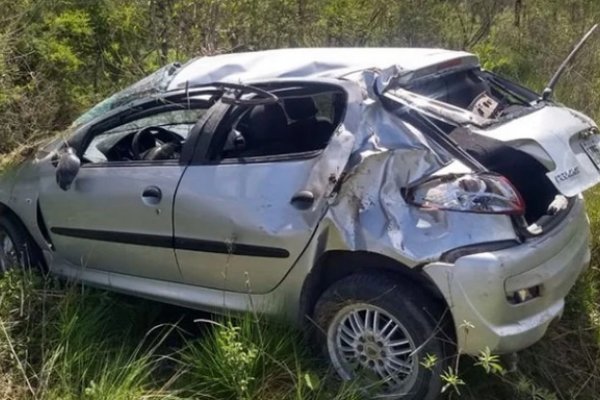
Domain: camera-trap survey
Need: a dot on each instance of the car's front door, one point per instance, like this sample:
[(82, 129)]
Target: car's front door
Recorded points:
[(237, 227), (117, 215)]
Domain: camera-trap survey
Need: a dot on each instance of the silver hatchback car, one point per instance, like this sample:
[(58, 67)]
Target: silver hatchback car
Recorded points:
[(385, 196)]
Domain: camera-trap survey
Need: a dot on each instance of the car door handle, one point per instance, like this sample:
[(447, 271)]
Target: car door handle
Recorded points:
[(303, 200), (151, 195)]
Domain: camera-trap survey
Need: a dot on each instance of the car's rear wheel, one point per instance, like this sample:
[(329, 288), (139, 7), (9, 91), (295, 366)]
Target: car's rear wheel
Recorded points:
[(16, 248), (377, 331)]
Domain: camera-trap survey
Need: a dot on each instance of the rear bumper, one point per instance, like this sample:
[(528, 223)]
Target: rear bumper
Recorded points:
[(476, 286)]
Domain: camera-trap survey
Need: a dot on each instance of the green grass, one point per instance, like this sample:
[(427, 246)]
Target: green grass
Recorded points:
[(74, 342), (566, 363), (81, 343)]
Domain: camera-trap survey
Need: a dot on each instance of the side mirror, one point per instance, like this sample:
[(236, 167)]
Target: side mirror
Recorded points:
[(67, 168)]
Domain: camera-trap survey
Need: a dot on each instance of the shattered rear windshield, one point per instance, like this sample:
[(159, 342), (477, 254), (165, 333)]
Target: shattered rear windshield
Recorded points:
[(483, 93)]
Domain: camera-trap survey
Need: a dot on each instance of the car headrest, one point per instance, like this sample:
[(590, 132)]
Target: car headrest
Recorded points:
[(298, 108), (265, 122)]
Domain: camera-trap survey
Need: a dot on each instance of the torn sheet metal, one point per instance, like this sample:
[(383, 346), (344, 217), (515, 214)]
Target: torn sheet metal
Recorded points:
[(370, 213), (552, 134)]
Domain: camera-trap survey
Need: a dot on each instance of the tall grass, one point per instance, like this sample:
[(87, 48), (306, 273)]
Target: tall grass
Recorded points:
[(67, 344), (565, 364), (78, 343), (60, 341)]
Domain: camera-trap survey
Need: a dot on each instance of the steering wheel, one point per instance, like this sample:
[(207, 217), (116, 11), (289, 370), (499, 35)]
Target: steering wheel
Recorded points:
[(155, 143)]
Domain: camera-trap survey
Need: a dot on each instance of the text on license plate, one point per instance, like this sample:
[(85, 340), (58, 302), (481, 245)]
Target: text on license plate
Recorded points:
[(591, 147)]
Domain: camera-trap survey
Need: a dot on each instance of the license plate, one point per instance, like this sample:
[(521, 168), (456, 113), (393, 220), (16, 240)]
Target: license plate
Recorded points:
[(591, 147)]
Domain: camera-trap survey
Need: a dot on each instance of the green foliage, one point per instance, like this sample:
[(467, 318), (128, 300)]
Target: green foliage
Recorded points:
[(490, 362), (451, 381), (250, 359), (71, 343), (58, 57), (429, 361), (233, 366)]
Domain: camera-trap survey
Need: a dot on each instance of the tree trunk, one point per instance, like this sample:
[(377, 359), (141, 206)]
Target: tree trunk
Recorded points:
[(518, 8)]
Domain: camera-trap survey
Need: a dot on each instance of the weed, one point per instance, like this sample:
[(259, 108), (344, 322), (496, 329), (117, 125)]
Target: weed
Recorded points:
[(78, 343)]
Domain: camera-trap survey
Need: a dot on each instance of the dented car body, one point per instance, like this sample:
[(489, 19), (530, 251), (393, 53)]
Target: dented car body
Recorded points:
[(275, 176)]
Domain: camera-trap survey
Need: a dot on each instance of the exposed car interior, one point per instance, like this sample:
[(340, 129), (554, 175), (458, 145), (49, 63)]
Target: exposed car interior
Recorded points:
[(298, 123), (490, 96), (481, 92), (156, 137), (302, 120)]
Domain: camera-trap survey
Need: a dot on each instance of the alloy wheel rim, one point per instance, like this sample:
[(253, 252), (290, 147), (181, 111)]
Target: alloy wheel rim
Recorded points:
[(366, 341), (8, 253)]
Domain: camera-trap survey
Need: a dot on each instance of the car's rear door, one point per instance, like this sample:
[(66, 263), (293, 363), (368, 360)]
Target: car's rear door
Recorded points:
[(117, 216), (236, 226)]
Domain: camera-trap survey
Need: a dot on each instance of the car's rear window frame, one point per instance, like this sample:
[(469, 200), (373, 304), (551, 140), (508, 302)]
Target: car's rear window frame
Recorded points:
[(279, 88)]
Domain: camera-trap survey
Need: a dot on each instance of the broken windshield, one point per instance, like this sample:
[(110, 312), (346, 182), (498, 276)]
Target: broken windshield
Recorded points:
[(154, 83)]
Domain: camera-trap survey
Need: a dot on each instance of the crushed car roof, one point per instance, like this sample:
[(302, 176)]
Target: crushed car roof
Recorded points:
[(299, 63), (309, 62)]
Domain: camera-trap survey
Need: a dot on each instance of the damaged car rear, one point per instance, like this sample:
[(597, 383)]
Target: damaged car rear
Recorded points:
[(381, 198)]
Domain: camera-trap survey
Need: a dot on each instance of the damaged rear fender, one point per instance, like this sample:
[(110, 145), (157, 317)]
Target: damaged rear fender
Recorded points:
[(370, 214)]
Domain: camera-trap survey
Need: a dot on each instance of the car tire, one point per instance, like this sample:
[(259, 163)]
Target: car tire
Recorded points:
[(378, 331), (17, 250)]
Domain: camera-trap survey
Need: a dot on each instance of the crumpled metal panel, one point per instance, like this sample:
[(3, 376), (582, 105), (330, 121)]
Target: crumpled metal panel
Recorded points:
[(369, 212), (310, 62)]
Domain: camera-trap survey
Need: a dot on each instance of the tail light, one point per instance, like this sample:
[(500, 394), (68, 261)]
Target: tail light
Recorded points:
[(475, 193)]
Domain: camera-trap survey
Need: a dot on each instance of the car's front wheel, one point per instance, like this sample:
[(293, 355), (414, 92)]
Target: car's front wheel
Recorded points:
[(16, 248), (378, 331)]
